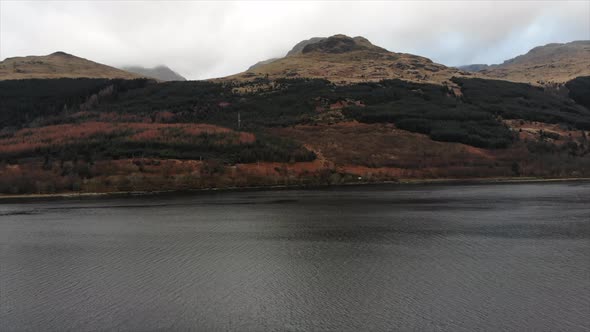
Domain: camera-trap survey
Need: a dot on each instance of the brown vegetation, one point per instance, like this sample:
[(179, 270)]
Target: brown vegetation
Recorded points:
[(29, 139), (554, 133), (381, 151), (347, 152)]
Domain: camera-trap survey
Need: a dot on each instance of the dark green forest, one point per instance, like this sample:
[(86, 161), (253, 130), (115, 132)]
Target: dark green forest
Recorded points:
[(522, 101), (579, 90), (473, 118), (34, 102)]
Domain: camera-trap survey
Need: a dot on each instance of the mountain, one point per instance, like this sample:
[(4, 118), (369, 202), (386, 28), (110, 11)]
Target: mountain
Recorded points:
[(343, 59), (161, 73), (552, 63), (58, 65)]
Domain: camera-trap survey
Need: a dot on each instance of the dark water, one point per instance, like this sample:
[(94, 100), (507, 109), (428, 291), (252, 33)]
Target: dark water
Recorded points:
[(454, 258)]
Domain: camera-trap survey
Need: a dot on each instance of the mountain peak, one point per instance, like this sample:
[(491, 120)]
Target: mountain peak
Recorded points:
[(341, 44), (61, 53), (336, 44), (343, 59)]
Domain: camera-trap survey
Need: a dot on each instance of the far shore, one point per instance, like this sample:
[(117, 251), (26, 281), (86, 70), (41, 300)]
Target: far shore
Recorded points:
[(294, 186)]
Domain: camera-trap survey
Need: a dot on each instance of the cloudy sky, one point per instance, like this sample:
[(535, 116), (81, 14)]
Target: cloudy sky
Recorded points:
[(201, 39)]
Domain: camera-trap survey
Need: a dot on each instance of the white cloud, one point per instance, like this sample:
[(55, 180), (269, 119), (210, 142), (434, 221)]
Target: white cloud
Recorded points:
[(210, 39)]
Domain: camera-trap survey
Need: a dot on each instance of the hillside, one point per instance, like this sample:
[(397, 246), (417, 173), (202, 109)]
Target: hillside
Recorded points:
[(58, 65), (552, 63), (100, 135), (342, 59), (161, 73), (326, 113)]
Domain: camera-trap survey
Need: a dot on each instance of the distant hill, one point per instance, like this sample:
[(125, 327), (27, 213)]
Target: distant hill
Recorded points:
[(475, 67), (343, 59), (161, 73), (552, 63), (58, 65)]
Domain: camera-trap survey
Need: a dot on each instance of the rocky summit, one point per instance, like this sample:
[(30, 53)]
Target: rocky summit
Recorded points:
[(341, 44), (343, 59)]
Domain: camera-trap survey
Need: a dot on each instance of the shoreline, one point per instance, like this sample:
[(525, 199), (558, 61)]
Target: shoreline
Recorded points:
[(449, 181)]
